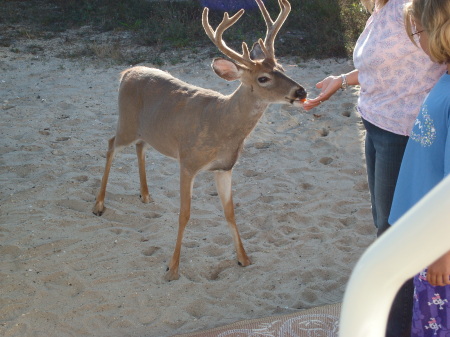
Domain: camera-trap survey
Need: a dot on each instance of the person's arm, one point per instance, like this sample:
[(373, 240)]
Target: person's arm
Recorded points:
[(438, 273), (329, 86)]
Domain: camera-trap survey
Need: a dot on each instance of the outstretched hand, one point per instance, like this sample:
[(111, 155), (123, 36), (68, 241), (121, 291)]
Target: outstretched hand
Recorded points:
[(438, 273), (328, 87)]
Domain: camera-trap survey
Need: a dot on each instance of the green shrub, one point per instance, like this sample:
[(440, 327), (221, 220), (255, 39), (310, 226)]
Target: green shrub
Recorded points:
[(314, 29)]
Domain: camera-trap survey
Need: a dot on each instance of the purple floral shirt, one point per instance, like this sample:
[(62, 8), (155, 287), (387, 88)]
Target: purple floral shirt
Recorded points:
[(394, 74)]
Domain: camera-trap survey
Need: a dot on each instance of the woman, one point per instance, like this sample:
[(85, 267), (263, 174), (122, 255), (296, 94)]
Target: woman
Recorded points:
[(394, 76)]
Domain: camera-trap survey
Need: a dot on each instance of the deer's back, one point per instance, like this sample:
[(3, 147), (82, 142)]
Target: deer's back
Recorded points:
[(170, 114), (153, 92)]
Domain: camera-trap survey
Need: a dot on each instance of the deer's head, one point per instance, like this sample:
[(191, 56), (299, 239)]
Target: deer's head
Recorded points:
[(257, 68)]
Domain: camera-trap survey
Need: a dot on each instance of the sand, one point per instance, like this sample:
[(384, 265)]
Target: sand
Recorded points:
[(302, 207)]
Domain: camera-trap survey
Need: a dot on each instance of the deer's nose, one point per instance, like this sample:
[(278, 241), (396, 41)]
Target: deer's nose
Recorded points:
[(300, 93)]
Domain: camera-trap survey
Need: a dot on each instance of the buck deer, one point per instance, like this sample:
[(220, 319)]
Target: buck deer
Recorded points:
[(201, 128)]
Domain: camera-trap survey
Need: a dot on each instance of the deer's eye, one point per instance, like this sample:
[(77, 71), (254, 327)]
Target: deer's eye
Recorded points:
[(263, 79)]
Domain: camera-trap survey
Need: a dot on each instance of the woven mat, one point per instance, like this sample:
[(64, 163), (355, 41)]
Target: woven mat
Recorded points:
[(318, 322)]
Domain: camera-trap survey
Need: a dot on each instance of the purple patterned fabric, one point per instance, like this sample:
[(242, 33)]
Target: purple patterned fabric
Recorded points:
[(229, 5), (431, 309)]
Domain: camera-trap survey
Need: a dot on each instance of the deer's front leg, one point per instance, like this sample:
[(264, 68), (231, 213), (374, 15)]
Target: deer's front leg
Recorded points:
[(223, 184), (140, 151), (99, 207), (186, 182)]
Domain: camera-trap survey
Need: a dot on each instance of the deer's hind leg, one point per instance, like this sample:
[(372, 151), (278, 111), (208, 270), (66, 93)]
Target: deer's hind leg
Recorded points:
[(99, 207), (140, 151), (223, 185)]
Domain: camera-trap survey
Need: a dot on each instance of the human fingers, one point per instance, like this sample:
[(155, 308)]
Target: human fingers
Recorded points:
[(309, 105), (328, 87), (435, 279), (446, 279), (439, 280), (438, 272), (312, 103), (442, 280), (431, 278)]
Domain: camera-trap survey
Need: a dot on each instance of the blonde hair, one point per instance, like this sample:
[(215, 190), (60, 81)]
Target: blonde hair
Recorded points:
[(370, 5), (434, 16)]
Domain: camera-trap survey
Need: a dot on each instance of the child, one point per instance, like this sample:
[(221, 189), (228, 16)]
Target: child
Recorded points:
[(427, 161)]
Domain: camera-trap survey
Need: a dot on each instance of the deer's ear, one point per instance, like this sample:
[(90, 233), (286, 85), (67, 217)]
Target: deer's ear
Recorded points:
[(226, 69), (257, 53)]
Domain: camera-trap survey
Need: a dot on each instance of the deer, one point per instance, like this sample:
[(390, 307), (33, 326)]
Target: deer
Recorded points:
[(202, 129)]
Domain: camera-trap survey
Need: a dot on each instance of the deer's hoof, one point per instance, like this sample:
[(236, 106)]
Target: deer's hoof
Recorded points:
[(99, 208), (146, 198), (171, 275), (245, 262)]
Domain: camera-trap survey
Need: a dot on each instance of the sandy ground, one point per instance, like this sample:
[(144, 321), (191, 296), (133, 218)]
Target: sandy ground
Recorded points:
[(302, 207)]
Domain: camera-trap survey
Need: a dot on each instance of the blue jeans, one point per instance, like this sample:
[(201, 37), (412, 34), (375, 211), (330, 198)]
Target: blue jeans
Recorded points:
[(384, 153)]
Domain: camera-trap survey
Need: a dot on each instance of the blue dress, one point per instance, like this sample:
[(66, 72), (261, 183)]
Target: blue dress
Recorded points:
[(425, 163)]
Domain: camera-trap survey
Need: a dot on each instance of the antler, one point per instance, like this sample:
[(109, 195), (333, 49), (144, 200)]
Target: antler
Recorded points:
[(273, 27), (216, 37)]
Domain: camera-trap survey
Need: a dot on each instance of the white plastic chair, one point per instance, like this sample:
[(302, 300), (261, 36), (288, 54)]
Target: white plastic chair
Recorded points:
[(415, 241)]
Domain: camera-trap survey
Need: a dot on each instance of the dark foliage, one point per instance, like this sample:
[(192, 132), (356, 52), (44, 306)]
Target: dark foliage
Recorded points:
[(314, 29)]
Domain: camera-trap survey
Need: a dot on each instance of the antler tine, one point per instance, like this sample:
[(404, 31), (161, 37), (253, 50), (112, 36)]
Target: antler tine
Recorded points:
[(216, 37), (273, 26)]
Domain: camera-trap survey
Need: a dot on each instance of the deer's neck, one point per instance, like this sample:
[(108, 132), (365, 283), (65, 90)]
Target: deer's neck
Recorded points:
[(239, 114), (246, 104)]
